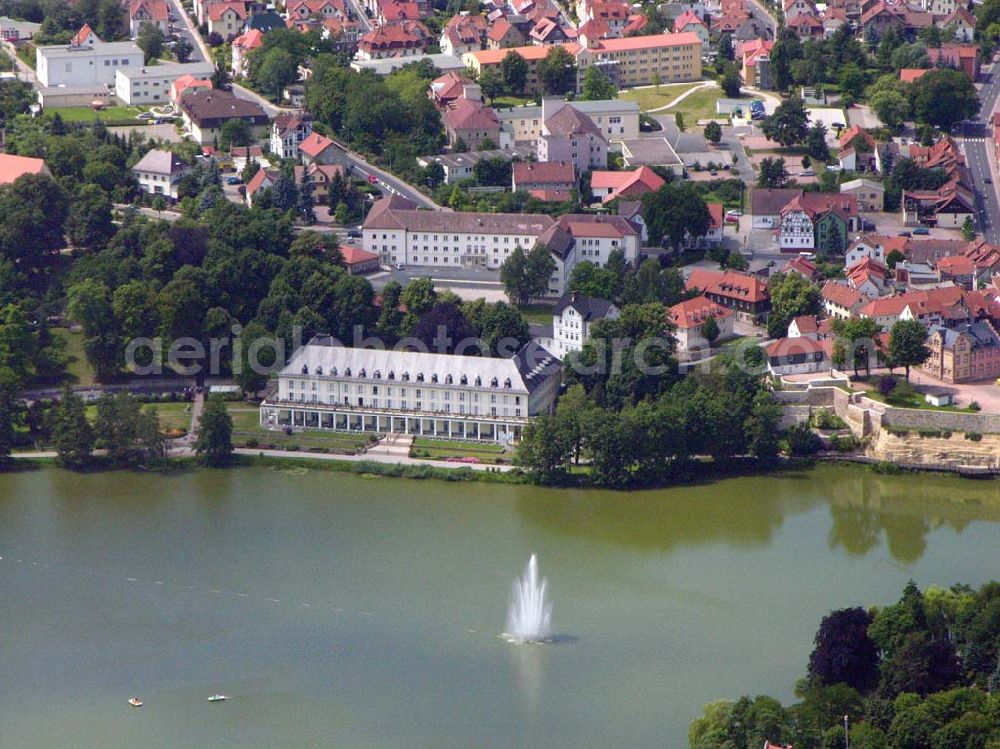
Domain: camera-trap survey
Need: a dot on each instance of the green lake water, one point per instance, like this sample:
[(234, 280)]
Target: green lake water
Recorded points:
[(340, 611)]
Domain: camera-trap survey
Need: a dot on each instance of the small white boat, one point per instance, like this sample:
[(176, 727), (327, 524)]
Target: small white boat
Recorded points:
[(217, 698), (135, 702)]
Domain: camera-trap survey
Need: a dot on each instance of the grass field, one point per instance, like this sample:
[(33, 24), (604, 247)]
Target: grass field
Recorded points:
[(79, 368), (512, 101), (246, 416), (87, 114), (172, 415), (648, 98), (698, 106), (309, 439), (443, 449), (540, 314)]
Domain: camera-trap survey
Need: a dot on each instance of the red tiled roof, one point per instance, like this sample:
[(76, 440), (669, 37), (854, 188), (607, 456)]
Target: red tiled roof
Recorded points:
[(957, 265), (692, 313), (354, 255), (552, 196), (631, 183), (730, 284), (12, 167), (841, 295), (251, 39), (715, 211), (686, 18), (547, 172), (801, 265), (216, 10), (910, 75), (806, 324), (785, 347), (314, 144), (157, 10), (468, 114), (81, 36)]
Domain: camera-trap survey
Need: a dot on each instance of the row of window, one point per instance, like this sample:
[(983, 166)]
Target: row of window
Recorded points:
[(404, 405)]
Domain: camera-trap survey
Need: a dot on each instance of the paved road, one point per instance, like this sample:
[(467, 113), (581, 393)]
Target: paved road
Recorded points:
[(979, 155), (387, 182), (358, 12), (184, 27), (760, 12), (24, 71)]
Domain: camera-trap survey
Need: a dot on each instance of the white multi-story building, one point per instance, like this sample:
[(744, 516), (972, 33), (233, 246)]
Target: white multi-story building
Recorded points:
[(572, 317), (151, 85), (400, 234), (85, 65), (330, 386), (287, 133), (617, 119), (158, 172)]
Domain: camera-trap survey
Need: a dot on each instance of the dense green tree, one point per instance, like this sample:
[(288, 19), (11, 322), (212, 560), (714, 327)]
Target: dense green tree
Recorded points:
[(908, 344), (791, 296), (731, 83), (525, 276), (855, 344), (545, 450), (89, 304), (9, 394), (214, 444), (34, 210), (710, 329), (514, 70), (713, 132), (72, 435), (596, 86), (789, 123), (945, 97), (277, 69), (234, 133), (150, 41), (492, 84), (763, 427), (89, 224), (844, 653), (675, 212), (556, 72), (772, 173), (816, 142)]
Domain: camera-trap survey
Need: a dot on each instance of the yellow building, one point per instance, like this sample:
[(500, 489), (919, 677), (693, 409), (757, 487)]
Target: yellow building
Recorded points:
[(632, 61)]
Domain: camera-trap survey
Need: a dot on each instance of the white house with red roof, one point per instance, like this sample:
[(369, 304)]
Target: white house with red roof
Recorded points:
[(318, 149), (226, 18), (287, 133), (471, 122), (463, 33), (867, 277), (691, 21), (690, 315), (840, 300), (543, 176), (85, 37), (241, 47), (610, 186), (406, 39), (179, 86), (155, 12), (745, 294), (358, 261), (802, 355), (802, 266)]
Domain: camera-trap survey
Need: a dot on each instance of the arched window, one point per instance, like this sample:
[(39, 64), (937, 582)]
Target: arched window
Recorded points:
[(305, 369), (447, 379), (494, 383), (479, 381), (377, 374), (347, 372), (362, 372), (464, 380), (420, 376), (392, 374), (319, 370), (434, 378), (506, 383)]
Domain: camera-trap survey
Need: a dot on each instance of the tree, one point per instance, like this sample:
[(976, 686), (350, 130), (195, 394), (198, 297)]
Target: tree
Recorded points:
[(843, 651), (921, 665), (892, 107), (71, 432), (772, 173), (214, 445), (514, 70), (710, 329), (596, 86), (816, 142), (150, 41), (656, 79), (89, 224), (944, 97), (852, 81), (675, 212), (183, 50), (908, 344), (526, 275), (9, 392), (893, 258), (731, 83), (89, 304), (713, 133), (234, 133), (545, 450), (492, 84), (789, 123), (419, 297), (855, 344), (679, 120), (557, 72), (763, 427), (443, 328), (726, 47), (34, 209), (968, 229)]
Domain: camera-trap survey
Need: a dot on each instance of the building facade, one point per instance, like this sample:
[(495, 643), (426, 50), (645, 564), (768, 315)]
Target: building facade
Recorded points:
[(329, 386), (572, 318), (151, 85), (86, 64)]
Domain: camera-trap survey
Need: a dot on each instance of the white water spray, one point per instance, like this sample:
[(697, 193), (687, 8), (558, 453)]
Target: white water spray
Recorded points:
[(529, 616)]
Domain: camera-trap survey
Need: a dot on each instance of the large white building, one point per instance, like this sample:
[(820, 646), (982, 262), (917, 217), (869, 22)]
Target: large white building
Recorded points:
[(151, 85), (572, 318), (617, 119), (400, 234), (327, 385), (85, 65), (159, 172)]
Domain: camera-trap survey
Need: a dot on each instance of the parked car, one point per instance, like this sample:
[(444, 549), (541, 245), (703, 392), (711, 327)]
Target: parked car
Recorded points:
[(734, 212), (354, 234), (867, 225), (921, 232), (234, 180), (400, 266), (905, 234), (807, 173), (988, 180)]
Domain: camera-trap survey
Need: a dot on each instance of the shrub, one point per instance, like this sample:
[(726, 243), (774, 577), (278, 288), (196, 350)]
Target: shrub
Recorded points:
[(844, 444), (826, 419), (974, 406), (802, 440), (973, 436), (291, 447), (886, 385), (251, 442)]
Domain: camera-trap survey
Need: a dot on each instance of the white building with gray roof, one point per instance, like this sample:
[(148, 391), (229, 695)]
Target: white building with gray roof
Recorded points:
[(85, 65), (333, 387), (159, 172)]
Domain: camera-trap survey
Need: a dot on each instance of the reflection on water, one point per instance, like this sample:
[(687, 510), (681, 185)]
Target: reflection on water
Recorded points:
[(527, 665), (866, 509)]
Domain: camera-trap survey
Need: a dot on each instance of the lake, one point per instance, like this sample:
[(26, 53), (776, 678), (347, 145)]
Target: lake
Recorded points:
[(364, 612)]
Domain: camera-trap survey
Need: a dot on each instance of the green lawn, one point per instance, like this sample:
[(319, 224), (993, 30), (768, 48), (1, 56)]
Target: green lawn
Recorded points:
[(172, 415), (246, 416), (506, 102), (444, 449), (540, 314), (649, 98), (79, 368), (905, 396), (698, 106), (87, 114), (309, 439)]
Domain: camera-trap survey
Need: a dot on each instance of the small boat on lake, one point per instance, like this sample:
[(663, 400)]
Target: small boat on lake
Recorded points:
[(217, 698), (135, 702)]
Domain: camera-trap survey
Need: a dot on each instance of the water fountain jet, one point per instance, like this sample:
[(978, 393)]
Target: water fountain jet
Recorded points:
[(529, 616)]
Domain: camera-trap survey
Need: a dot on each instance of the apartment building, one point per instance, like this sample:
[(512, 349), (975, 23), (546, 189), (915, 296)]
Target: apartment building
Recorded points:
[(85, 64), (617, 119), (151, 85)]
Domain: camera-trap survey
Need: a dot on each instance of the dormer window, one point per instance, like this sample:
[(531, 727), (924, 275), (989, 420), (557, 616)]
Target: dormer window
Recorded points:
[(494, 383), (305, 369), (479, 381), (434, 378), (333, 372), (420, 377), (362, 372), (506, 383), (464, 380), (319, 370), (347, 372), (392, 374), (447, 379)]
